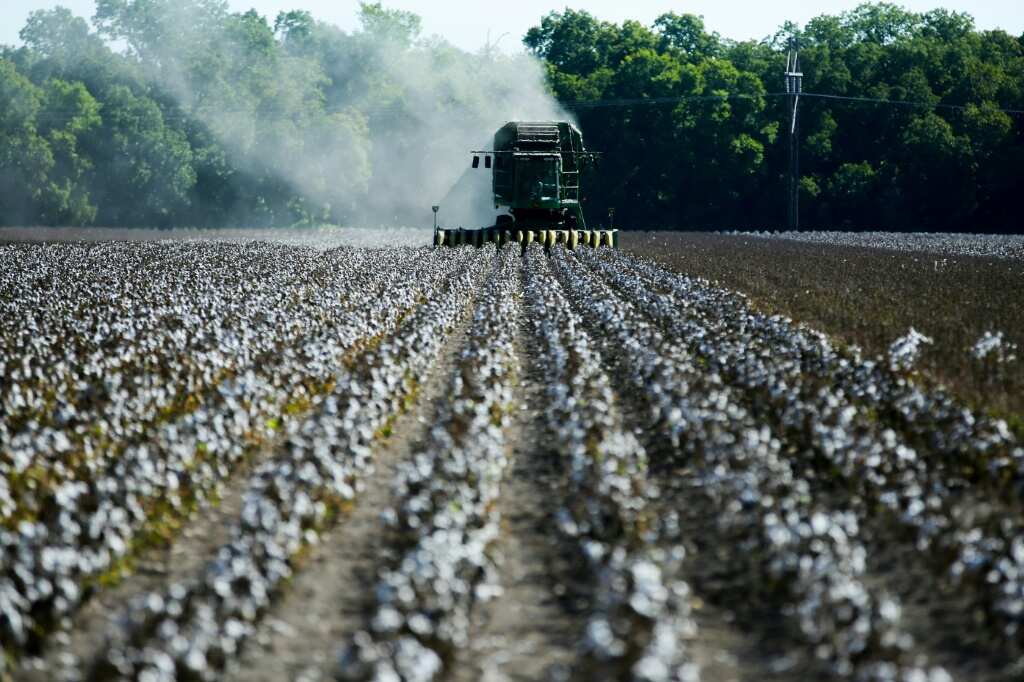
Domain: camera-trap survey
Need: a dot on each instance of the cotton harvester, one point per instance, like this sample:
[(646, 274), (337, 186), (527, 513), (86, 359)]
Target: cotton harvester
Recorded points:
[(536, 169)]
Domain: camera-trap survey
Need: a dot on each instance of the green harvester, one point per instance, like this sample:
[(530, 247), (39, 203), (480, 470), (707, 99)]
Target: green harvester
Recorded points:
[(536, 168)]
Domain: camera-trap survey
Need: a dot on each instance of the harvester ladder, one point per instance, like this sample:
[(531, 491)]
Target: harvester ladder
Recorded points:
[(570, 169)]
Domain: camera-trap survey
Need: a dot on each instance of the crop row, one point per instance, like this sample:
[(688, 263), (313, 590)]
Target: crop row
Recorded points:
[(864, 430), (138, 379), (89, 516), (949, 244), (639, 618), (109, 338), (803, 549), (762, 348), (193, 631), (444, 516), (120, 341)]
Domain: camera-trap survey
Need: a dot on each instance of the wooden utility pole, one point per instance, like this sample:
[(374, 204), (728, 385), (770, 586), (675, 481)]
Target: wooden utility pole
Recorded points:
[(794, 86)]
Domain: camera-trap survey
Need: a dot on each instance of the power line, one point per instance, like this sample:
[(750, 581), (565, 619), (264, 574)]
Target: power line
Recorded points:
[(638, 101), (576, 105), (905, 103)]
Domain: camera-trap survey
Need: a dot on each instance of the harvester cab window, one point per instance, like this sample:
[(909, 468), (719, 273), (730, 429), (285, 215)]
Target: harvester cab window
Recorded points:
[(537, 178)]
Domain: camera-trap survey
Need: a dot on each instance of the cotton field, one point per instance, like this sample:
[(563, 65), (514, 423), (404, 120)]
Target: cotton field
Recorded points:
[(950, 244), (199, 436)]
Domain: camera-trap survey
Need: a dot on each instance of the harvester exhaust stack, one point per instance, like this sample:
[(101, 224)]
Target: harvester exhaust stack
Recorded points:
[(536, 168)]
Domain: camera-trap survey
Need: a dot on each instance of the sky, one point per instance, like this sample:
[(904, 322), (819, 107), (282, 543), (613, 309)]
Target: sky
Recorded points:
[(469, 24)]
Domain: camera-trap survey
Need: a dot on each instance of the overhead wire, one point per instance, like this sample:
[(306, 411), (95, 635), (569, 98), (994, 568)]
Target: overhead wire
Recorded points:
[(576, 105), (636, 101)]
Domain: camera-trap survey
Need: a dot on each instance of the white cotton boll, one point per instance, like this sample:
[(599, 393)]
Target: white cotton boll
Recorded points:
[(994, 348), (904, 352)]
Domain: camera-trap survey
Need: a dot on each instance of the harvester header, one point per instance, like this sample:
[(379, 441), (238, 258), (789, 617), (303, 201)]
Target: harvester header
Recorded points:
[(536, 169)]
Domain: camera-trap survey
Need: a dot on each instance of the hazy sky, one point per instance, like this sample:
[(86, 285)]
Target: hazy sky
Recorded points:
[(466, 23)]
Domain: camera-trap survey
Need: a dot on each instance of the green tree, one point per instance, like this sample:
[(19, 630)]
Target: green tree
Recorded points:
[(207, 116), (686, 33), (70, 113), (296, 31), (571, 41), (143, 172), (396, 28), (936, 175), (25, 156), (853, 192)]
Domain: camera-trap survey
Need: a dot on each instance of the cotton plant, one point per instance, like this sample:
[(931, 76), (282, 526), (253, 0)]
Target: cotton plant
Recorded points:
[(994, 348), (904, 352)]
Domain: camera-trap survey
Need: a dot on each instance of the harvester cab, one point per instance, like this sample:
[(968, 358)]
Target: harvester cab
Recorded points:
[(536, 169)]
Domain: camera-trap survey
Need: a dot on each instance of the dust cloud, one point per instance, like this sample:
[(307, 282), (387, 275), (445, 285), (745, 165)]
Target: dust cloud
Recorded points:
[(374, 125)]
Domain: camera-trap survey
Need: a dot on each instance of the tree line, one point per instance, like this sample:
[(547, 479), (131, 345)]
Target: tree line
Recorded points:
[(718, 157), (184, 113)]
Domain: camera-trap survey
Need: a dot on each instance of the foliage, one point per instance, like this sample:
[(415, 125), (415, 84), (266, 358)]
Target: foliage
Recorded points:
[(186, 113), (702, 161)]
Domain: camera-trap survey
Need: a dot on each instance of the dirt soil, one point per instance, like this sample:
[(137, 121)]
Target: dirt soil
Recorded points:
[(529, 631), (326, 603)]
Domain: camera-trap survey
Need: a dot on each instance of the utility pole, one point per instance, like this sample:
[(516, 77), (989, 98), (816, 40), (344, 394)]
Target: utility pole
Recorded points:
[(794, 86)]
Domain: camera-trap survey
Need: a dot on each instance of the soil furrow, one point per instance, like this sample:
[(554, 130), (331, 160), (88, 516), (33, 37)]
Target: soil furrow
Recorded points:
[(326, 603), (939, 619), (724, 649), (942, 619), (175, 559), (530, 630), (737, 639)]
